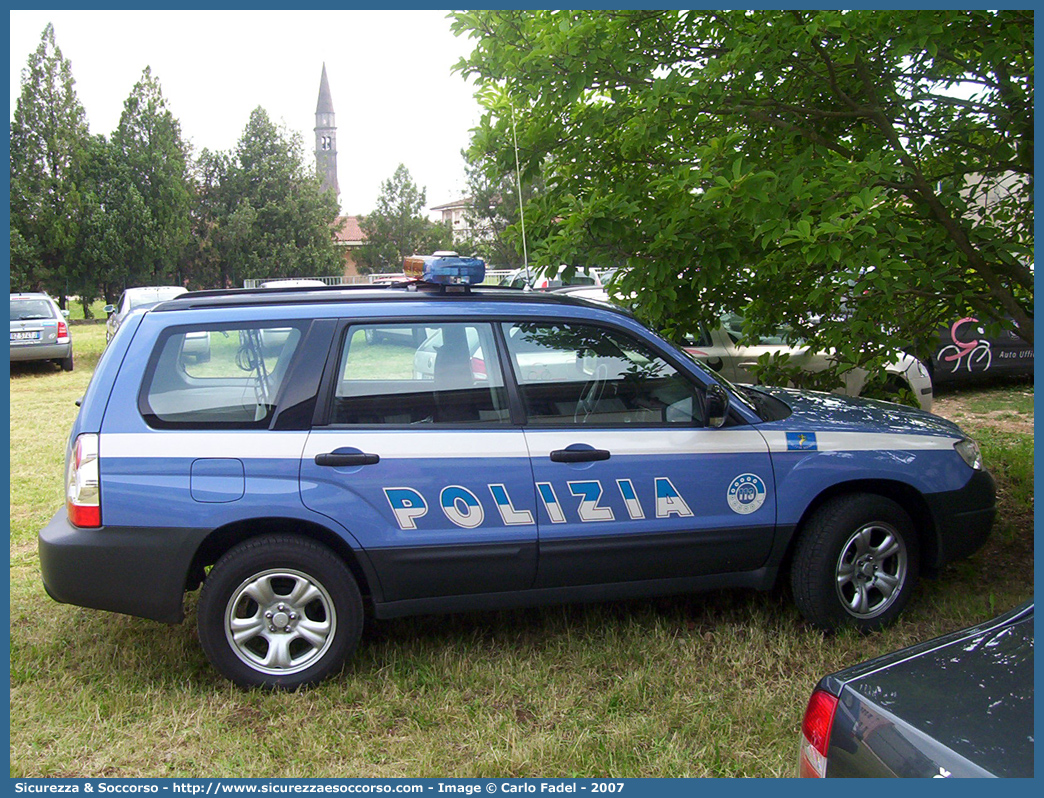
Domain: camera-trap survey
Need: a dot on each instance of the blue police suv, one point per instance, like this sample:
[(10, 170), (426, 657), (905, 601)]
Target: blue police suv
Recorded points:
[(499, 449)]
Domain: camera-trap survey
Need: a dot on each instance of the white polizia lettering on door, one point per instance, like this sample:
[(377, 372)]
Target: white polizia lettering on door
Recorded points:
[(463, 507)]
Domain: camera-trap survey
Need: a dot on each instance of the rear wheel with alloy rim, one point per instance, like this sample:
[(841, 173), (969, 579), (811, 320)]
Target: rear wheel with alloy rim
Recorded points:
[(856, 563), (279, 612)]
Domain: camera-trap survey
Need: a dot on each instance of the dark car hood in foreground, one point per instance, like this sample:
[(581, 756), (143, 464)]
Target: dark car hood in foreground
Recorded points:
[(829, 411), (959, 705)]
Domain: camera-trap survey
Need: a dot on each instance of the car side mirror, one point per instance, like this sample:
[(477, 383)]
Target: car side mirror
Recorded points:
[(65, 313), (109, 308), (717, 406)]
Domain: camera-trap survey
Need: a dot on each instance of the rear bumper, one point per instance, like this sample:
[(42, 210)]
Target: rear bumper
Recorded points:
[(130, 570), (963, 519), (40, 352)]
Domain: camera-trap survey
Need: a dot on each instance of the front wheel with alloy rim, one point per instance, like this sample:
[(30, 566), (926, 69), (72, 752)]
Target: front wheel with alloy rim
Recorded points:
[(279, 611), (855, 564)]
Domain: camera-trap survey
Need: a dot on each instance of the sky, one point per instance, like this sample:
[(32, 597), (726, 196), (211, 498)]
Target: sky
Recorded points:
[(395, 97)]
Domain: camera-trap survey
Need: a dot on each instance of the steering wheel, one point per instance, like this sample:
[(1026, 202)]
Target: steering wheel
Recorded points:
[(592, 394)]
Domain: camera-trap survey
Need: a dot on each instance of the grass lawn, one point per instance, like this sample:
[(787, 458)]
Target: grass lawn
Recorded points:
[(712, 684)]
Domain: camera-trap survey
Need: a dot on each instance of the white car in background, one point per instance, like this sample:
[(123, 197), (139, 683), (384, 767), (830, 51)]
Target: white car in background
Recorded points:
[(535, 278), (720, 349), (197, 345), (134, 298), (295, 282)]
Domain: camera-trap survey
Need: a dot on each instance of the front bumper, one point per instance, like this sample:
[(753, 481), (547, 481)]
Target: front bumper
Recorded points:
[(963, 519), (136, 571)]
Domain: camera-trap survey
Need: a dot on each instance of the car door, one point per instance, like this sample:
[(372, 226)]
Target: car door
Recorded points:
[(631, 483), (417, 457)]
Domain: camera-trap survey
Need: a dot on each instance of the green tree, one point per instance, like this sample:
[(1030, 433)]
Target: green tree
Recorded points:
[(261, 212), (206, 261), (48, 134), (825, 169), (495, 216), (101, 254), (153, 197), (397, 227)]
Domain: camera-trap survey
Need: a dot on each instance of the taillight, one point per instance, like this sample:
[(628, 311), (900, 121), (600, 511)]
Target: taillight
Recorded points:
[(815, 735), (82, 491), (63, 330)]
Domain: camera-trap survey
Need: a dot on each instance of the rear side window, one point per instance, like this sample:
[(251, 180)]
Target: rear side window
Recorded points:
[(222, 377), (408, 374)]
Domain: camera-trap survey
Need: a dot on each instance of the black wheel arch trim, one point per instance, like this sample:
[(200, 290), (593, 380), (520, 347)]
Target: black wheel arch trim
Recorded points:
[(950, 525), (220, 540)]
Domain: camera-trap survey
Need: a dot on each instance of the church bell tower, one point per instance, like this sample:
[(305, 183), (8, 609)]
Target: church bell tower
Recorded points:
[(326, 138)]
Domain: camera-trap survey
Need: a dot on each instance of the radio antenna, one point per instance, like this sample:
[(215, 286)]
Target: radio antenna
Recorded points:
[(518, 185)]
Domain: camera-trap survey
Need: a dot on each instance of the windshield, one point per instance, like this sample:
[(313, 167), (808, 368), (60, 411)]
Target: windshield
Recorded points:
[(26, 309)]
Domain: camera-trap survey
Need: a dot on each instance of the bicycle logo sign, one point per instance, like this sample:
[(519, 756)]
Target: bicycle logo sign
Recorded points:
[(978, 353)]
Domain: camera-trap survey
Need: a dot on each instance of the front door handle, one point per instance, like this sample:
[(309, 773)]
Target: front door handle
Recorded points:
[(578, 455), (340, 459)]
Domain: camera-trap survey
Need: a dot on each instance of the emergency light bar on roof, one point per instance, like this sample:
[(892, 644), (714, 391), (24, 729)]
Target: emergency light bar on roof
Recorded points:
[(444, 268)]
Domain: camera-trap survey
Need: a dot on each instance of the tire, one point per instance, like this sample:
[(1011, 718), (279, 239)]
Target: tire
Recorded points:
[(279, 579), (855, 564), (67, 363)]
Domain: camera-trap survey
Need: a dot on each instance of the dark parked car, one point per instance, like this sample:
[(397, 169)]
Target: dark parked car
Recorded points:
[(960, 705), (965, 353), (39, 330)]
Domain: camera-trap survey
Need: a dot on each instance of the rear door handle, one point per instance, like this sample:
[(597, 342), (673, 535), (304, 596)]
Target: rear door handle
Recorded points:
[(338, 458), (578, 455)]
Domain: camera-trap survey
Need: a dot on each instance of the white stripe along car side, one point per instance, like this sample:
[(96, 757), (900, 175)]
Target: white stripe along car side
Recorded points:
[(250, 444)]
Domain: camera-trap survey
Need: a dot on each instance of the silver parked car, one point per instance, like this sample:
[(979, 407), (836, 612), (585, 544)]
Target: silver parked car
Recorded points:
[(39, 330), (197, 345), (720, 349)]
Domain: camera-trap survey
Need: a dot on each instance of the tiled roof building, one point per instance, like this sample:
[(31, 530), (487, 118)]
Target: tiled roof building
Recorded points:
[(348, 237)]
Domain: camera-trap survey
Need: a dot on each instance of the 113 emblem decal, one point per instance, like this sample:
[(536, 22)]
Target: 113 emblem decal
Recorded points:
[(746, 493)]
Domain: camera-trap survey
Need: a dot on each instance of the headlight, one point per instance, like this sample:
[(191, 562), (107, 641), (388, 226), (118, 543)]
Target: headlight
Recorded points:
[(969, 452)]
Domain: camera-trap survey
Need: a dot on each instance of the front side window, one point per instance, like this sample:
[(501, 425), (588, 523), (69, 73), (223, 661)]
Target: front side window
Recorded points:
[(783, 335), (408, 374), (219, 378), (583, 374)]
